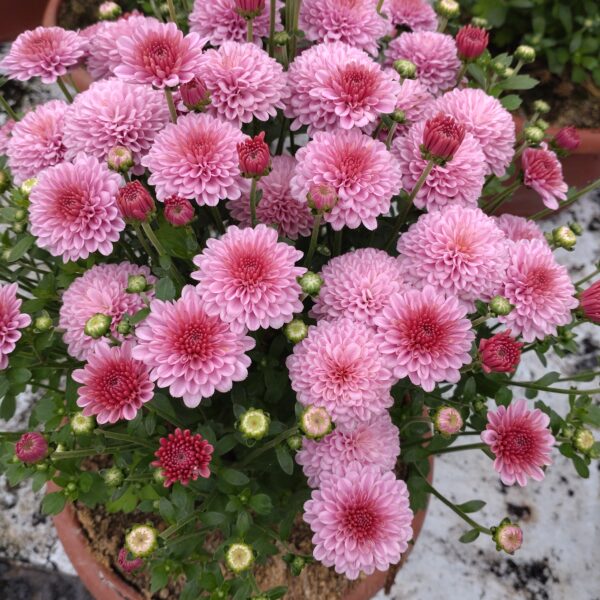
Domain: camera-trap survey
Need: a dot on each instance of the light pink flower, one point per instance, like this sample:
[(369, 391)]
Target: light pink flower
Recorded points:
[(425, 336), (277, 206), (158, 54), (354, 22), (540, 290), (114, 385), (358, 285), (36, 141), (104, 56), (219, 21), (447, 421), (73, 209), (375, 442), (11, 321), (361, 520), (5, 134), (520, 440), (45, 52), (101, 289), (334, 85), (115, 113), (489, 122), (190, 352), (508, 537), (363, 172), (249, 279), (519, 228), (457, 183), (434, 55), (339, 367), (31, 447), (413, 100), (416, 15), (460, 251), (542, 172), (196, 159), (244, 82)]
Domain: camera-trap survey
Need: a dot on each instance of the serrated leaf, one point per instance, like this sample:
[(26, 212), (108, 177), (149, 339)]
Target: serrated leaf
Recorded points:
[(471, 506), (284, 459), (469, 536)]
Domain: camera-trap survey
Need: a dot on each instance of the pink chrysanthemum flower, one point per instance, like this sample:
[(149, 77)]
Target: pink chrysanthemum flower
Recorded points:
[(500, 353), (354, 22), (31, 447), (335, 85), (115, 113), (158, 54), (425, 336), (36, 141), (101, 289), (339, 367), (589, 302), (219, 21), (358, 285), (375, 442), (244, 82), (519, 228), (5, 134), (45, 52), (104, 56), (249, 279), (542, 171), (489, 122), (416, 15), (414, 100), (364, 174), (73, 210), (114, 384), (183, 457), (539, 289), (460, 251), (361, 520), (190, 352), (11, 320), (520, 440), (434, 55), (458, 182), (128, 564), (197, 159), (277, 206)]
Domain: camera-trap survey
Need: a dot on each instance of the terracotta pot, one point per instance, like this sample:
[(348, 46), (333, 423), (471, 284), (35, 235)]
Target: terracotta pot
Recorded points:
[(81, 77), (18, 17), (105, 584), (579, 169)]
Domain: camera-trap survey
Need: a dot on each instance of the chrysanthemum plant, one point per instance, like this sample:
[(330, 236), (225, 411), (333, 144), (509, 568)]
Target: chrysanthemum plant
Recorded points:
[(247, 281)]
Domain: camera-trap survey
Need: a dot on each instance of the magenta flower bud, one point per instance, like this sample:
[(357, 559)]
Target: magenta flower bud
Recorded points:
[(500, 354), (442, 137), (31, 447), (254, 156), (135, 202), (178, 211), (567, 139), (249, 9), (321, 197), (128, 564), (589, 302), (194, 94), (471, 42), (119, 159), (447, 421), (508, 537)]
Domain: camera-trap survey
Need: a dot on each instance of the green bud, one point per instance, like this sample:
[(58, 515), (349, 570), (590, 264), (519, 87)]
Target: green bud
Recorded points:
[(296, 566), (507, 72), (254, 424), (541, 107), (43, 323), (525, 54), (295, 331), (113, 477), (576, 228), (549, 237), (158, 476), (239, 557), (542, 124), (80, 424), (20, 215), (281, 38), (311, 283), (4, 181), (564, 237), (398, 116), (315, 422), (41, 466), (18, 227), (405, 68), (28, 185), (583, 440), (136, 284), (497, 67), (97, 326), (124, 327), (533, 134), (448, 9), (109, 11), (141, 540), (500, 306), (71, 487), (480, 22), (323, 250), (568, 431), (295, 442)]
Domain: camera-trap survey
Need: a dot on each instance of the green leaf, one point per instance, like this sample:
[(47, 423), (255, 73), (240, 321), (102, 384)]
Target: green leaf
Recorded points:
[(8, 407), (284, 459), (261, 503), (159, 578), (581, 466), (576, 40), (511, 102), (469, 536), (38, 480), (212, 518), (503, 396), (139, 316), (471, 506), (20, 375), (564, 16), (53, 503), (20, 248), (243, 523), (234, 477), (518, 82), (470, 390), (165, 289)]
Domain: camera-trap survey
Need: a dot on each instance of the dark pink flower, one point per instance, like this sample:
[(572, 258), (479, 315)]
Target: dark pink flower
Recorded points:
[(500, 354), (471, 42), (178, 211), (183, 457), (443, 136), (128, 565), (543, 173), (567, 139), (321, 197), (194, 94), (254, 155), (135, 201), (31, 447), (589, 302)]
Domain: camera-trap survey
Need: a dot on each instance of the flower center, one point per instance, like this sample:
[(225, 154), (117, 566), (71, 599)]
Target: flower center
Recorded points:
[(158, 56), (356, 83), (118, 387), (195, 342), (70, 204), (517, 443), (360, 521), (424, 333), (538, 280), (250, 271)]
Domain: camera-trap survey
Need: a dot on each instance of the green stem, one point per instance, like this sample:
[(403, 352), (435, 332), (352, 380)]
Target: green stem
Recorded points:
[(123, 437), (162, 252), (587, 277), (377, 131), (568, 202), (460, 448), (171, 104), (551, 390), (379, 6), (314, 236), (250, 30), (253, 201), (172, 13), (579, 376), (274, 442), (85, 452), (142, 239), (169, 531), (63, 88), (496, 202), (8, 108), (272, 17), (216, 215), (481, 320), (461, 73), (390, 135), (337, 242), (281, 140)]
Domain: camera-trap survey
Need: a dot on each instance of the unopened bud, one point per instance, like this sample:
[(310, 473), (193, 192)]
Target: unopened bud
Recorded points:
[(525, 54), (281, 38), (321, 197), (113, 477), (295, 331), (315, 422), (295, 442), (239, 557), (4, 181), (20, 214), (296, 566), (43, 323), (18, 227), (28, 185), (80, 424), (447, 421), (136, 284), (124, 327), (533, 134), (541, 107), (97, 326), (119, 159), (564, 237), (311, 283), (448, 9), (405, 68), (508, 537), (108, 11), (576, 228), (254, 424), (195, 94), (141, 540), (480, 22), (583, 440), (398, 116), (500, 306), (542, 124)]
